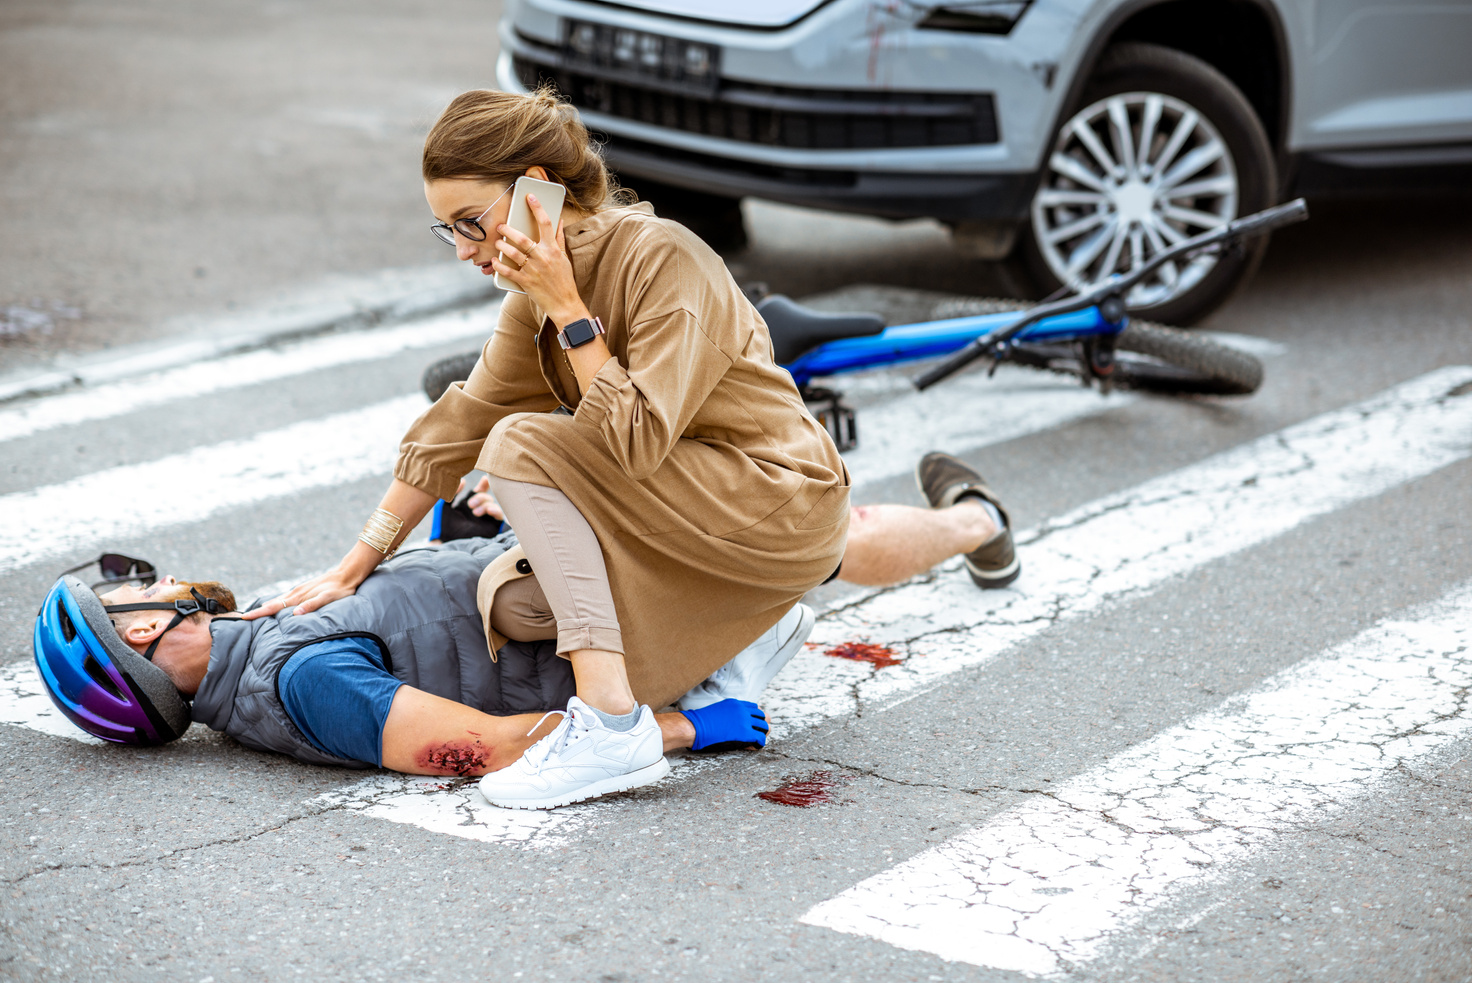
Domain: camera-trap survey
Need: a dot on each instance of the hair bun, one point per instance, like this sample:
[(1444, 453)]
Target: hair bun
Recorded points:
[(496, 136)]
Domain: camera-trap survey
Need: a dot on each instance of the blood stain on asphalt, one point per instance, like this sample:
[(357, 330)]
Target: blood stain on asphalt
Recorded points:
[(880, 656), (804, 793)]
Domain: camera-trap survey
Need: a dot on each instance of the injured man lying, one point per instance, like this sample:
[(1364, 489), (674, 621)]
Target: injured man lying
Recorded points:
[(408, 673)]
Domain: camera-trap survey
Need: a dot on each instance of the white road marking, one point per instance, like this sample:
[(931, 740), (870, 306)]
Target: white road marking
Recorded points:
[(1250, 343), (1131, 542), (232, 372), (966, 413), (24, 703), (195, 484), (456, 808), (1048, 886)]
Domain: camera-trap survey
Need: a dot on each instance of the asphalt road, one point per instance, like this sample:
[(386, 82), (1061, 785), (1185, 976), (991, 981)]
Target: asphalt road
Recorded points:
[(167, 162), (1232, 543)]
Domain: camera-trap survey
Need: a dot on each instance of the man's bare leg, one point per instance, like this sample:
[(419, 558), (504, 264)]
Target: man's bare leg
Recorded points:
[(888, 544), (429, 735)]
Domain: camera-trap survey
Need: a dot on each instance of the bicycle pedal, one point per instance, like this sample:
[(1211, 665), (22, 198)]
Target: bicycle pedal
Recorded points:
[(836, 416)]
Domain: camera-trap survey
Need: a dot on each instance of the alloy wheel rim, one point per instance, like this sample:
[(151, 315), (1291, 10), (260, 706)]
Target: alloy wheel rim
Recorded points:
[(1129, 176)]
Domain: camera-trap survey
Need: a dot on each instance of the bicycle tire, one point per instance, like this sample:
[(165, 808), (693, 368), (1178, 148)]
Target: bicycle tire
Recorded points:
[(1154, 358), (443, 374), (1179, 362)]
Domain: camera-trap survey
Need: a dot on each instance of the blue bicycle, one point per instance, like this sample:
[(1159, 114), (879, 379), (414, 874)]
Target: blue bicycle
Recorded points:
[(1087, 335)]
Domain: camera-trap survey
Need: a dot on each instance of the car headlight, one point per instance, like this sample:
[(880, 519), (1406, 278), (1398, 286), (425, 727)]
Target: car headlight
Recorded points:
[(976, 16)]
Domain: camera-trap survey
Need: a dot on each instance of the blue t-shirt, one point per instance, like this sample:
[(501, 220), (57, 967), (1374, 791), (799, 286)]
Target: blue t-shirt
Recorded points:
[(338, 693)]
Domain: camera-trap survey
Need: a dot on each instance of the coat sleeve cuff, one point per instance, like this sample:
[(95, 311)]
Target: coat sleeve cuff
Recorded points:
[(604, 394), (412, 468)]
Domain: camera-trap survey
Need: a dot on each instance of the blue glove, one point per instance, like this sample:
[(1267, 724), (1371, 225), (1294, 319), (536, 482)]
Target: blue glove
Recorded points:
[(727, 726)]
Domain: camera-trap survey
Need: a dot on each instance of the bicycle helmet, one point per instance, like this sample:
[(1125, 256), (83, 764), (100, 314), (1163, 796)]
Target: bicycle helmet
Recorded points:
[(96, 679)]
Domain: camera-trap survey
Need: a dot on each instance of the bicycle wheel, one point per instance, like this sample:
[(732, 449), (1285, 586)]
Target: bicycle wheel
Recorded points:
[(1167, 360), (1153, 358), (446, 372)]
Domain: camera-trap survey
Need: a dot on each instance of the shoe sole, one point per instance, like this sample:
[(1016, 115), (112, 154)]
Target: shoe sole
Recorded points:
[(618, 783), (983, 578), (790, 647), (994, 579), (785, 654)]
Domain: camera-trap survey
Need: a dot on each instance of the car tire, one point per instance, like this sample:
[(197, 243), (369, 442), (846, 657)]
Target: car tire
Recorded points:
[(1192, 113), (715, 218)]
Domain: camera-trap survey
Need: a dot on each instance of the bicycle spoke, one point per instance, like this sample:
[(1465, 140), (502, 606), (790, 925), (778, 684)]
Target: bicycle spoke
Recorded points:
[(1075, 171)]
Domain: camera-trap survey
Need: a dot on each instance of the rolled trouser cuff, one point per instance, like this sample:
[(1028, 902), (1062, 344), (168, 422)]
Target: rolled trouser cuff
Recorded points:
[(573, 636)]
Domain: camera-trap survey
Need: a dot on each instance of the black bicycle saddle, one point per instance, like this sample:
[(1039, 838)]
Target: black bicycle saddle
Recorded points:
[(796, 329)]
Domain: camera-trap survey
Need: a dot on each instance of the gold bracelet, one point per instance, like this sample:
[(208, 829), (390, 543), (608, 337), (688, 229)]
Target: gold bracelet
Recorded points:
[(380, 531)]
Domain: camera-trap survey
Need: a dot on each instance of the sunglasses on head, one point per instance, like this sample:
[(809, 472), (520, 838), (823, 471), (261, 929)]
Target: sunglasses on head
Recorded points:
[(119, 569)]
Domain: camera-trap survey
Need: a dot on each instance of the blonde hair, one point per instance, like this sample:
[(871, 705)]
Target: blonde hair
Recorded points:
[(495, 136)]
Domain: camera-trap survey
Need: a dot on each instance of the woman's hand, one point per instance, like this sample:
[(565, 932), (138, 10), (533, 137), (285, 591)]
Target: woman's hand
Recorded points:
[(542, 268), (339, 582), (309, 596)]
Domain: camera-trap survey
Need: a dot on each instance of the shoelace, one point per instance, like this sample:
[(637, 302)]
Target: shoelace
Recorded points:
[(555, 741)]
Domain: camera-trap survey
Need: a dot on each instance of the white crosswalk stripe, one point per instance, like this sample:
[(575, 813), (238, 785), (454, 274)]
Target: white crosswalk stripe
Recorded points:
[(251, 368), (199, 483), (1052, 884)]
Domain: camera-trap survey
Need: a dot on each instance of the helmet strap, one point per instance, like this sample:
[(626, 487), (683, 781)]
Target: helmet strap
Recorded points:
[(182, 609)]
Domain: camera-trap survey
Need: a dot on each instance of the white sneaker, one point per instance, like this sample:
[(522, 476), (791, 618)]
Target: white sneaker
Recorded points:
[(747, 675), (581, 759)]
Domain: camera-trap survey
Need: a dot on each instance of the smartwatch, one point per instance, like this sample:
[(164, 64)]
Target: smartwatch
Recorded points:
[(579, 332)]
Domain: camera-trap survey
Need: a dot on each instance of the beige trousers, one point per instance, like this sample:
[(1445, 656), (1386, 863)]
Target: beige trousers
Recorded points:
[(567, 597)]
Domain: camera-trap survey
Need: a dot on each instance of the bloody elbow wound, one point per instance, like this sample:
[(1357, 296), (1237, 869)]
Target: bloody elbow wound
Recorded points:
[(462, 758)]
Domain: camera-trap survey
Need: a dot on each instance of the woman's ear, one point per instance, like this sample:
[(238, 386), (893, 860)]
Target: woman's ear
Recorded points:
[(538, 172)]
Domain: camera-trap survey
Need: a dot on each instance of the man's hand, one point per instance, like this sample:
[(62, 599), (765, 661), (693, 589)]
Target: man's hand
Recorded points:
[(482, 502)]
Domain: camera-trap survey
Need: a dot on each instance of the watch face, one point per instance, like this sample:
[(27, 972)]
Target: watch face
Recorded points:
[(579, 333)]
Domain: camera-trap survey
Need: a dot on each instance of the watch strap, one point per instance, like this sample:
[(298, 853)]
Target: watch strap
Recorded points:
[(579, 332)]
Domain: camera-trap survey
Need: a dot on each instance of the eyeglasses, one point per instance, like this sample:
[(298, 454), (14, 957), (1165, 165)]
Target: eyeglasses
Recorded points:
[(118, 569), (470, 228)]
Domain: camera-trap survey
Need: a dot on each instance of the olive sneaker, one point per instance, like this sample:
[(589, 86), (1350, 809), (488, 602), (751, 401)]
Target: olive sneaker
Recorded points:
[(944, 480), (581, 759)]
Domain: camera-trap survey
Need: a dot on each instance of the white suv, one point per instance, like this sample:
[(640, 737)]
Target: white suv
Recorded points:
[(1077, 136)]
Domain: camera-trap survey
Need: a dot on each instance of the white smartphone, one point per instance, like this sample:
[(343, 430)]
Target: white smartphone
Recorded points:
[(550, 195)]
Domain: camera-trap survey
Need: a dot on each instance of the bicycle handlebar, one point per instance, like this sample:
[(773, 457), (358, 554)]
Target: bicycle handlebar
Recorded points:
[(1249, 225)]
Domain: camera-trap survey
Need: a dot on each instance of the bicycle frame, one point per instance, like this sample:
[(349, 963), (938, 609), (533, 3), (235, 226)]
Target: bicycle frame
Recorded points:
[(929, 339), (1092, 316)]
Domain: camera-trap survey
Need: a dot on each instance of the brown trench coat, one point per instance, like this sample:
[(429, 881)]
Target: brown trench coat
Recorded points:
[(718, 501)]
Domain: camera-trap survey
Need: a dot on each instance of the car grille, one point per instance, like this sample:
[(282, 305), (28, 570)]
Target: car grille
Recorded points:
[(814, 119)]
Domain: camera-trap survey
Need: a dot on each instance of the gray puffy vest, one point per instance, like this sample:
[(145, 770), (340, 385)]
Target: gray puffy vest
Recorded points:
[(419, 607)]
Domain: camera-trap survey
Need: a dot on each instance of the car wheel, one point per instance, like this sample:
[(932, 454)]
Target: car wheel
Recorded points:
[(1161, 147), (715, 218)]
